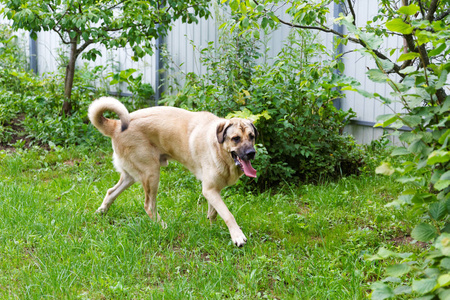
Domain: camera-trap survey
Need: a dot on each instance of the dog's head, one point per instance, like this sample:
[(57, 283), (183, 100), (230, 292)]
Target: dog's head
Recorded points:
[(238, 138)]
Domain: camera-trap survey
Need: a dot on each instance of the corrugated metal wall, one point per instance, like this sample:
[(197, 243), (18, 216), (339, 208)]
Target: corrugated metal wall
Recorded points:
[(356, 66), (185, 41)]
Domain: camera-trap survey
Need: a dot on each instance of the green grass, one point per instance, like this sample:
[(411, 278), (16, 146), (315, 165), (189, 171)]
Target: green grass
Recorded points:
[(304, 242)]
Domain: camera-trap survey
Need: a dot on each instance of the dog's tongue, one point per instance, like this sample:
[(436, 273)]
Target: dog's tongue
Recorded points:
[(248, 169)]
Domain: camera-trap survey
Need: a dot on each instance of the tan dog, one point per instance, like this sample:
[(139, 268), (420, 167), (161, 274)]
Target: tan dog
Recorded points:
[(217, 151)]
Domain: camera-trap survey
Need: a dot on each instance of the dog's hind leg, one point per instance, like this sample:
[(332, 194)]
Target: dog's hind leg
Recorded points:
[(150, 184), (125, 182)]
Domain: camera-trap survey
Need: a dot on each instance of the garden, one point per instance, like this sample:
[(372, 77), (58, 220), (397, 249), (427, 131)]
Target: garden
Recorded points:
[(326, 218)]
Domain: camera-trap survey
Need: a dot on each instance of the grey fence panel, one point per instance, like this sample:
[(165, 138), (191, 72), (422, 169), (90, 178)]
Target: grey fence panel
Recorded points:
[(356, 66)]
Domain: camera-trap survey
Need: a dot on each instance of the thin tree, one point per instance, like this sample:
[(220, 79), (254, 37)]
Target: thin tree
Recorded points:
[(111, 23)]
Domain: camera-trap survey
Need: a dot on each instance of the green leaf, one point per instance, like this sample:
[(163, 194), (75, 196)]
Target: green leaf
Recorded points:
[(384, 253), (347, 21), (386, 120), (245, 23), (259, 8), (360, 91), (381, 254), (385, 169), (444, 294), (381, 291), (445, 107), (408, 70), (443, 244), (438, 156), (444, 280), (385, 64), (400, 151), (445, 263), (417, 147), (33, 35), (420, 198), (424, 232), (402, 289), (234, 5), (438, 210), (423, 36), (264, 22), (273, 16), (408, 56), (372, 40), (411, 121), (251, 3), (444, 137), (398, 270), (85, 36), (438, 50), (377, 75), (409, 137), (442, 184), (424, 286), (223, 25), (398, 25), (446, 227), (442, 79), (243, 7), (445, 176), (407, 179), (409, 10)]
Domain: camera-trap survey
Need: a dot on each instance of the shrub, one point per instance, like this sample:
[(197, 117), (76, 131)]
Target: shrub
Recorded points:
[(291, 100), (30, 106), (424, 160)]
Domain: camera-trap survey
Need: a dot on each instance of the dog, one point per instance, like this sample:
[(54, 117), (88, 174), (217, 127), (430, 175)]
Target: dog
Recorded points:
[(217, 151)]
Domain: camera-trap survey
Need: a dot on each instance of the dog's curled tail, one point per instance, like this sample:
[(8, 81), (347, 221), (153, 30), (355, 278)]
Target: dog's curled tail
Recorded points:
[(104, 125)]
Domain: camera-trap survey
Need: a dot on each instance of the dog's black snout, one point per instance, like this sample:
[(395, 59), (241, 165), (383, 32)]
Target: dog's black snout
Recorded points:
[(250, 154)]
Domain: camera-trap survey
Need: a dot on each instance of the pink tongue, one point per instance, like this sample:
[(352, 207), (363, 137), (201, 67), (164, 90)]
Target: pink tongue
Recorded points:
[(248, 169)]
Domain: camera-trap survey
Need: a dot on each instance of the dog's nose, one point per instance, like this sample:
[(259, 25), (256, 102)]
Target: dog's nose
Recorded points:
[(250, 154)]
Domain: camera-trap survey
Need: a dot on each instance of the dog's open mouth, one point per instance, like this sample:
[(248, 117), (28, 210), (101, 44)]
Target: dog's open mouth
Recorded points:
[(245, 165)]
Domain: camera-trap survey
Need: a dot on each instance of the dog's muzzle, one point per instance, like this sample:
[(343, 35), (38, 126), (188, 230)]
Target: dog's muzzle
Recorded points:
[(243, 161)]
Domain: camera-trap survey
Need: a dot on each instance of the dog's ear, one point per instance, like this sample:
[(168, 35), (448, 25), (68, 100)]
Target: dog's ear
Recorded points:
[(221, 131), (255, 130)]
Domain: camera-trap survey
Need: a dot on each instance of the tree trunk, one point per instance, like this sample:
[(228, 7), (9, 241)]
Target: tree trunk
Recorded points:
[(70, 73)]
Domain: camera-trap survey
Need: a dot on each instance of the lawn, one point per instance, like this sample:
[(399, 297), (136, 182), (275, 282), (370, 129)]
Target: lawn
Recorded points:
[(304, 241)]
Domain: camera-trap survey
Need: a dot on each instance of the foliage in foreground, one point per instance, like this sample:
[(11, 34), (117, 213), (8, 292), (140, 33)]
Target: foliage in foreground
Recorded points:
[(417, 73), (305, 242), (425, 161)]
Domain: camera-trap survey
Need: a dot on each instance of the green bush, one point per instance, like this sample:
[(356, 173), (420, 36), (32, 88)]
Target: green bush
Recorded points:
[(291, 101), (423, 162), (30, 106)]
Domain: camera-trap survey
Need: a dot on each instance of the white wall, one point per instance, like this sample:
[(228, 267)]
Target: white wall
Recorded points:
[(356, 66)]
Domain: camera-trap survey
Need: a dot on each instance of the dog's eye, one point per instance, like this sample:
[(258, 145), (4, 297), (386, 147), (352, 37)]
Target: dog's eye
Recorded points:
[(251, 136), (236, 139)]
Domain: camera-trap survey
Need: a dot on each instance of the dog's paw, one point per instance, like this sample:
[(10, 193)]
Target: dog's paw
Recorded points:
[(238, 238), (101, 211)]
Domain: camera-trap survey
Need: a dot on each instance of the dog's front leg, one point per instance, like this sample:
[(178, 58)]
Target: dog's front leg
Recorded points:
[(214, 200)]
